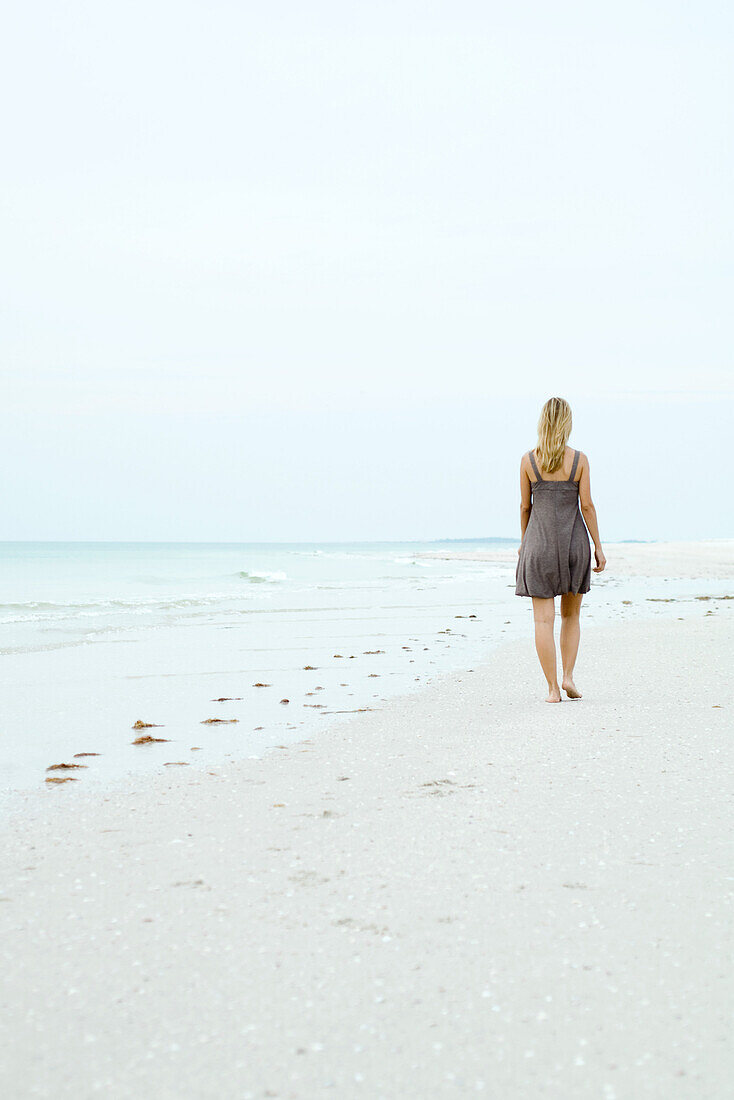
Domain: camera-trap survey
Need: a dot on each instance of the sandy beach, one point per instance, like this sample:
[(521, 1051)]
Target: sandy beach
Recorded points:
[(466, 892)]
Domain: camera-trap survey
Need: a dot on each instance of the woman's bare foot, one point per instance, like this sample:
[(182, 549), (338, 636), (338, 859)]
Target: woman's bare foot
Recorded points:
[(554, 694), (570, 688)]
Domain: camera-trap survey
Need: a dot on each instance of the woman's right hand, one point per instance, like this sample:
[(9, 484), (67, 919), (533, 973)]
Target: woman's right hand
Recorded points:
[(601, 561)]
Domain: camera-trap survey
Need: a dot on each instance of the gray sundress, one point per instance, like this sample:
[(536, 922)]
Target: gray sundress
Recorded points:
[(555, 554)]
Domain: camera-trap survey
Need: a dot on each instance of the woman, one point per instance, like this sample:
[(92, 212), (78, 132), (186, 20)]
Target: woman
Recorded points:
[(554, 555)]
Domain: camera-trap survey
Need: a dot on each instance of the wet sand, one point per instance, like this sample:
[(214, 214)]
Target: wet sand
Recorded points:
[(469, 891)]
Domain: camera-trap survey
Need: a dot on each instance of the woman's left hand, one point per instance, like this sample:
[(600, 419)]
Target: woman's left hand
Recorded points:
[(601, 561)]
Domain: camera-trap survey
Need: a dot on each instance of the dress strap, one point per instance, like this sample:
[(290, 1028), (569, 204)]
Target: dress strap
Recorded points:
[(575, 464), (535, 468)]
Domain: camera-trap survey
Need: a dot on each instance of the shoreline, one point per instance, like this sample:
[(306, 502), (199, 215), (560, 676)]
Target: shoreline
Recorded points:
[(179, 675), (703, 559), (465, 891)]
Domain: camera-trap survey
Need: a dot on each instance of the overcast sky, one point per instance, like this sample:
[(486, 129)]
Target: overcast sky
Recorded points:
[(296, 271)]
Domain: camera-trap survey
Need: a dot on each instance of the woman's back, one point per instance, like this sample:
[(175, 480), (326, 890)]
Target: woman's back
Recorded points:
[(563, 473)]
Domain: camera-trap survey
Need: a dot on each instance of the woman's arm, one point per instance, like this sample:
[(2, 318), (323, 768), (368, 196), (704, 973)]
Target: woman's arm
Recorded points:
[(588, 511), (525, 498)]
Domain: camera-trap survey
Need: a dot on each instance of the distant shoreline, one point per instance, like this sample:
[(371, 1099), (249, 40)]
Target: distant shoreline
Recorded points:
[(285, 543), (707, 558)]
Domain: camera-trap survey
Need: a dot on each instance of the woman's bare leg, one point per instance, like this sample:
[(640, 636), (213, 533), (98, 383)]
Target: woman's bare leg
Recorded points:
[(544, 613), (570, 634)]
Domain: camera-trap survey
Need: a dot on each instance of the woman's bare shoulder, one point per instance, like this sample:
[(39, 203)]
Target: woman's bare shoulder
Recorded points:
[(582, 467)]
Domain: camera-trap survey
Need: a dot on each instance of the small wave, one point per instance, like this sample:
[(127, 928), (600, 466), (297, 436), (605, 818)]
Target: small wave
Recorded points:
[(257, 576), (39, 611)]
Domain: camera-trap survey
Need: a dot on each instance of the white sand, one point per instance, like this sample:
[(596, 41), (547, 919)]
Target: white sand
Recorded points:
[(469, 891), (708, 558)]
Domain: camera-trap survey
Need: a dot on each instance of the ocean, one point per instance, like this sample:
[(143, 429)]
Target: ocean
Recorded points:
[(97, 636)]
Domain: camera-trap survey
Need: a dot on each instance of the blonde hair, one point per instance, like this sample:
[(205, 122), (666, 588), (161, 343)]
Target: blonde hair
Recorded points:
[(554, 428)]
